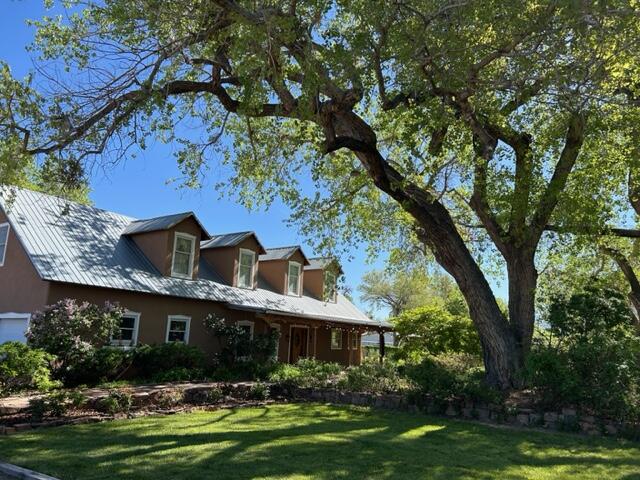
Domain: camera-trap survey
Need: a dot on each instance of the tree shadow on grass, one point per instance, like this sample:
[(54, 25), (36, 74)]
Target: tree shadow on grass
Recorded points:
[(311, 441)]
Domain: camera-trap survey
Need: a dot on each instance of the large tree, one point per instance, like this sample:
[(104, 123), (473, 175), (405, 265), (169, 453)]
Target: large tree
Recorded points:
[(427, 113)]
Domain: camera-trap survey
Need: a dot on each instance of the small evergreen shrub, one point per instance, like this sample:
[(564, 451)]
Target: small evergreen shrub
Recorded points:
[(24, 368), (259, 391), (178, 374), (169, 398), (117, 401), (99, 366), (154, 360)]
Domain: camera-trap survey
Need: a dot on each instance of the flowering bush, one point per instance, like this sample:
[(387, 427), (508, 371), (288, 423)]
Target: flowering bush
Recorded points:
[(72, 331)]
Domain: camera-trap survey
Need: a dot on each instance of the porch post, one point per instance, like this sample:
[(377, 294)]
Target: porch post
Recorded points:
[(381, 348)]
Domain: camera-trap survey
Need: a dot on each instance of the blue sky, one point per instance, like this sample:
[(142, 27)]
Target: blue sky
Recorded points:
[(138, 186)]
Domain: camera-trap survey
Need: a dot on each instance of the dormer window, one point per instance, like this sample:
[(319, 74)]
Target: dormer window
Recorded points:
[(293, 287), (246, 268), (184, 247), (330, 293)]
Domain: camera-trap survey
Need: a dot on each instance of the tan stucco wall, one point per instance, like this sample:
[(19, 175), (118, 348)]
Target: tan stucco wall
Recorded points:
[(21, 289), (314, 283), (276, 272), (158, 246)]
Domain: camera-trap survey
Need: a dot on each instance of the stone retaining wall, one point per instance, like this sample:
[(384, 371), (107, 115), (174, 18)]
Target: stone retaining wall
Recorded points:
[(566, 419)]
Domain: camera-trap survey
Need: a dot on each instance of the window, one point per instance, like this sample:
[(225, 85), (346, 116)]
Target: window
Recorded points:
[(178, 328), (183, 252), (355, 341), (336, 339), (329, 288), (127, 335), (294, 278), (276, 327), (246, 268), (4, 239), (247, 327)]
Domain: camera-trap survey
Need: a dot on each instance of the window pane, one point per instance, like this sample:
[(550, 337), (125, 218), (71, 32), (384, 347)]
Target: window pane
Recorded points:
[(181, 263), (126, 334), (183, 245), (294, 278), (4, 234), (244, 279), (176, 336), (336, 339), (178, 325), (246, 259), (127, 322)]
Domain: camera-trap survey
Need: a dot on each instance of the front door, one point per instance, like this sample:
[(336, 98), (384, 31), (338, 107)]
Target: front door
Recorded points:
[(298, 347)]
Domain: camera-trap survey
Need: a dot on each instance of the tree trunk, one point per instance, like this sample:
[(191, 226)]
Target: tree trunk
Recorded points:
[(522, 277), (502, 354), (632, 279)]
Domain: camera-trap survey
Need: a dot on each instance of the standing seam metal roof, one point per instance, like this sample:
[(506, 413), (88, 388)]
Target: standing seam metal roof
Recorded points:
[(73, 243)]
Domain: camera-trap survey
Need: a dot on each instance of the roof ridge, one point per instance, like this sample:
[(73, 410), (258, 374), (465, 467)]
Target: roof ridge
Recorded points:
[(189, 212), (232, 233), (282, 248)]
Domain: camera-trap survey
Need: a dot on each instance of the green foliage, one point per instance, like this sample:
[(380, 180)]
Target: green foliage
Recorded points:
[(236, 345), (259, 391), (72, 331), (154, 360), (433, 330), (169, 398), (307, 372), (374, 377), (99, 365), (451, 375), (56, 404), (178, 374), (24, 368), (117, 401), (590, 356)]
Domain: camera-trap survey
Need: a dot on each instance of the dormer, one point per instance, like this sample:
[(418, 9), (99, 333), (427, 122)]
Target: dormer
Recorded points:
[(234, 256), (171, 243), (321, 278), (283, 269)]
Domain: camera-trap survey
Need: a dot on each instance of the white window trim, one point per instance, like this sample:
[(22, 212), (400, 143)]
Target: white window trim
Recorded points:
[(4, 249), (136, 327), (247, 323), (289, 292), (333, 298), (331, 339), (253, 267), (183, 318), (192, 254)]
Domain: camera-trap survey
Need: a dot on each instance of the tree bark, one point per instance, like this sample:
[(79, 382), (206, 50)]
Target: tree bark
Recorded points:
[(522, 277)]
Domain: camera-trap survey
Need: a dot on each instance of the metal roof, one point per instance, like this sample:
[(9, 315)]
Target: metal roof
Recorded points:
[(320, 263), (229, 240), (164, 222), (282, 253), (73, 243)]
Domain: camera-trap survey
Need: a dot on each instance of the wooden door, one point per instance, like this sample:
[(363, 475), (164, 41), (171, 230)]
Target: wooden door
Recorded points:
[(299, 343)]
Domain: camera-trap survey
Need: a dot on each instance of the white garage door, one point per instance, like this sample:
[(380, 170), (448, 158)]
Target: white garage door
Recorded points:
[(13, 327)]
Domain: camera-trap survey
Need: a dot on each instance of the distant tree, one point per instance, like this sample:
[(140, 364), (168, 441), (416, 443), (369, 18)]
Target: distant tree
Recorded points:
[(396, 291)]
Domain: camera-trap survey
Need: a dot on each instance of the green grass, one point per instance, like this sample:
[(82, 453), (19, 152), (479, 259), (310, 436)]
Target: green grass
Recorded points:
[(314, 441)]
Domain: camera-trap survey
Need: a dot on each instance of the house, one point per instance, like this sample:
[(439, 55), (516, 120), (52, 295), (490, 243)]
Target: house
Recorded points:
[(170, 273)]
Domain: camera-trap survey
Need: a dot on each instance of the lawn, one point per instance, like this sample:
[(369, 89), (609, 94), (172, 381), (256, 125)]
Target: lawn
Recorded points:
[(314, 441)]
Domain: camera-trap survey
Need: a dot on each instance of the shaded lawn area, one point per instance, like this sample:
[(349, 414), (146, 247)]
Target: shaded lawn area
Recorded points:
[(314, 441)]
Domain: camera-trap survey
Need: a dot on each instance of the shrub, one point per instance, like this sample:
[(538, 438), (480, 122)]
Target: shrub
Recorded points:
[(374, 377), (452, 375), (236, 345), (23, 368), (590, 357), (178, 374), (169, 398), (306, 373), (56, 404), (99, 365), (117, 401), (72, 331), (259, 391), (152, 360), (207, 396)]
